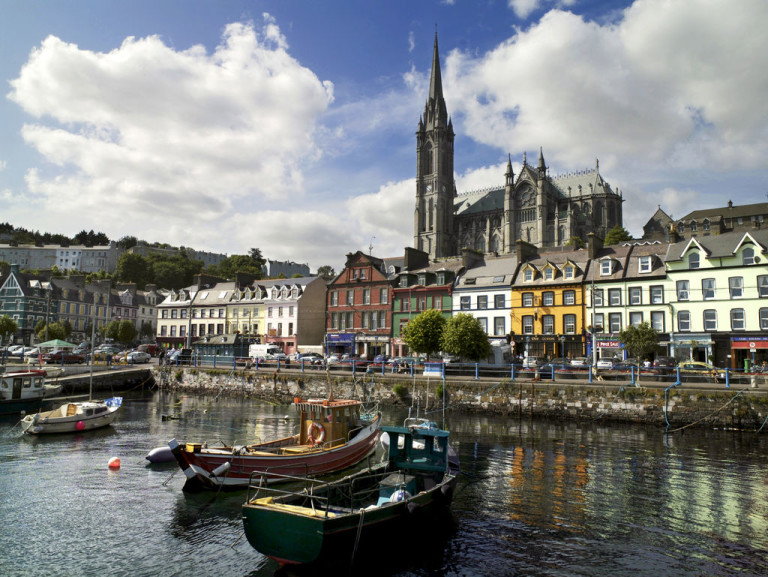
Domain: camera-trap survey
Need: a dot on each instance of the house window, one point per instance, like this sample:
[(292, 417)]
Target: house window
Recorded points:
[(335, 320), (362, 273), (334, 298), (406, 303), (737, 319), (708, 288), (548, 273), (657, 321), (350, 298), (527, 299), (382, 319), (422, 279), (569, 297), (748, 256), (528, 275), (482, 302), (693, 260), (693, 226), (465, 303), (705, 224), (635, 295), (569, 272), (437, 302), (614, 322), (403, 281), (422, 303), (683, 321), (498, 326), (657, 295), (605, 268), (441, 278), (174, 313), (598, 321), (366, 296), (597, 298), (163, 331), (365, 320), (614, 297), (635, 318), (764, 319), (528, 324), (644, 264), (548, 324), (762, 286), (484, 324), (383, 296), (710, 320), (498, 301), (173, 330), (736, 287), (548, 299), (682, 290), (569, 324)]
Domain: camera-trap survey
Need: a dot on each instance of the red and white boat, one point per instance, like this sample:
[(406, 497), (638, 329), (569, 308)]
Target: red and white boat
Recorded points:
[(333, 435)]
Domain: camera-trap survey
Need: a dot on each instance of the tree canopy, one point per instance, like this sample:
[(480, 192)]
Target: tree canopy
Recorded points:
[(8, 327), (424, 332), (464, 337), (237, 263), (639, 340), (122, 331), (326, 271), (616, 235)]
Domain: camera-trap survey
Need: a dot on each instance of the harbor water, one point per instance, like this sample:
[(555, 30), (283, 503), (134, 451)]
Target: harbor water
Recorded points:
[(535, 498)]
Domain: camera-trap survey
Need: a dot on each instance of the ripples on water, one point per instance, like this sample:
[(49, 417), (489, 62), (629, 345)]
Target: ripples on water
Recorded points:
[(536, 498)]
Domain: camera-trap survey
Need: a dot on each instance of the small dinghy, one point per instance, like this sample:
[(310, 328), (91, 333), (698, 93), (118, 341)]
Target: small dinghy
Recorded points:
[(160, 455)]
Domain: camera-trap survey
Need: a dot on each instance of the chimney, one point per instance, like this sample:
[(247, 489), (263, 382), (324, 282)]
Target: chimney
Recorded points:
[(415, 259), (594, 245), (525, 251), (150, 288)]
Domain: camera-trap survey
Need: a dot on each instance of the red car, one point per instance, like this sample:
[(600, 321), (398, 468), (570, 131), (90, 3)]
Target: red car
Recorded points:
[(59, 357)]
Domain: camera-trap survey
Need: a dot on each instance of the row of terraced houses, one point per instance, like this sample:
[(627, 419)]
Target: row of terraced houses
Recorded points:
[(706, 296)]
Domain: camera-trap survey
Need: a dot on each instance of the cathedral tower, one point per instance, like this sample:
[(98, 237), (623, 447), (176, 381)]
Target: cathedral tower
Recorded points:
[(435, 189)]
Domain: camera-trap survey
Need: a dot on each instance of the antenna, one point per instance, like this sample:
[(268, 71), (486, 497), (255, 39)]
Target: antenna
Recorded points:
[(370, 246)]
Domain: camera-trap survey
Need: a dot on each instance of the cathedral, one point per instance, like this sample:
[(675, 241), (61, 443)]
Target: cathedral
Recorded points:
[(532, 206)]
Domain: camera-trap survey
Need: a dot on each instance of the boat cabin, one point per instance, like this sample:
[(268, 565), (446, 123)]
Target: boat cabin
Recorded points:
[(327, 422), (422, 448), (22, 385)]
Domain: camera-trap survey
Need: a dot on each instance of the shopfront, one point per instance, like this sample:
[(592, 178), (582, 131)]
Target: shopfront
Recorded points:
[(339, 344), (548, 346), (691, 346), (753, 349), (609, 347)]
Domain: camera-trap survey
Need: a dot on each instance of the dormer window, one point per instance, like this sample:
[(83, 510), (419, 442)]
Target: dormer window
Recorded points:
[(528, 275), (644, 264), (404, 281), (606, 267), (441, 278), (693, 260), (549, 273), (693, 226), (748, 256), (362, 273), (422, 279), (705, 224), (680, 227), (569, 272)]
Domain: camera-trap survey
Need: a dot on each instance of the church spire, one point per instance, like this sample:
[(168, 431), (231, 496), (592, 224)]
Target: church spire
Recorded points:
[(435, 111)]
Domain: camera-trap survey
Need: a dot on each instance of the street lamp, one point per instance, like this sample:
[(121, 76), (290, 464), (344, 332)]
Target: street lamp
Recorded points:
[(562, 346)]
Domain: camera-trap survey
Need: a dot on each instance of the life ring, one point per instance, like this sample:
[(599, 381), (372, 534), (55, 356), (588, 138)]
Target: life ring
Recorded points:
[(316, 433)]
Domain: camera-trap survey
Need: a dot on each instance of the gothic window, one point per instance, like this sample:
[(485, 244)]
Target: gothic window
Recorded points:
[(429, 159), (431, 213), (598, 213), (495, 243)]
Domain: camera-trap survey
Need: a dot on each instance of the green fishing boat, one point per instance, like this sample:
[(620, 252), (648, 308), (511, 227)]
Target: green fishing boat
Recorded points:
[(329, 523)]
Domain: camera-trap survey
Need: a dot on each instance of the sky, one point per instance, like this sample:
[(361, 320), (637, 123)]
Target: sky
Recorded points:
[(289, 126)]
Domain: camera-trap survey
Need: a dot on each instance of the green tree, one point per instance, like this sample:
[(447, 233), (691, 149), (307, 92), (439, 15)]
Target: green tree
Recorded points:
[(147, 330), (424, 332), (464, 337), (67, 328), (616, 235), (234, 264), (126, 332), (639, 340), (133, 268), (127, 242), (8, 328), (575, 242), (56, 330), (256, 256), (326, 271)]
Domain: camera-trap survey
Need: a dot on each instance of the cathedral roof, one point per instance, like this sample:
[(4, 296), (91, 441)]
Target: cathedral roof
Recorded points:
[(479, 201), (583, 178)]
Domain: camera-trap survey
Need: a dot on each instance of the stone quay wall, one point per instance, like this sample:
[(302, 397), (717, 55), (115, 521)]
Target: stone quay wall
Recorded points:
[(740, 407)]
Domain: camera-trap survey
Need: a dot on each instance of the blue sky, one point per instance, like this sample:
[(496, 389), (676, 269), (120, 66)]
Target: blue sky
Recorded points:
[(289, 125)]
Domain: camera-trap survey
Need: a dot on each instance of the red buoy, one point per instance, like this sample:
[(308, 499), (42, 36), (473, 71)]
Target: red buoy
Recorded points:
[(114, 463)]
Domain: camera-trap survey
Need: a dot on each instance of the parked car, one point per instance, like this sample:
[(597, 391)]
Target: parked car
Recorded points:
[(33, 352), (698, 371), (152, 348), (665, 365), (605, 364), (179, 357), (582, 362), (530, 362), (138, 357), (59, 357)]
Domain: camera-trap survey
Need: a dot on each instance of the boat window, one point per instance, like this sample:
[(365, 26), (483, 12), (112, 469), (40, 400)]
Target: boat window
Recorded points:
[(27, 383), (88, 412), (101, 410), (38, 382)]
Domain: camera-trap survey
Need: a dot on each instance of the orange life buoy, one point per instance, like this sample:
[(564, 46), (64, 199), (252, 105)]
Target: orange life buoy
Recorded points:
[(316, 433)]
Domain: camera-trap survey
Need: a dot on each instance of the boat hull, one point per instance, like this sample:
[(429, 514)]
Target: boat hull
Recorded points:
[(317, 540), (212, 469), (47, 423)]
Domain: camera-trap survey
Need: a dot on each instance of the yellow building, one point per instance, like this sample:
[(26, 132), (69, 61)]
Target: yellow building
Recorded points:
[(547, 304)]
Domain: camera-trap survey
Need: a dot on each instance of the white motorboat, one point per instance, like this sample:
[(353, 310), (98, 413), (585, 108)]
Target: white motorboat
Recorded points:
[(73, 417)]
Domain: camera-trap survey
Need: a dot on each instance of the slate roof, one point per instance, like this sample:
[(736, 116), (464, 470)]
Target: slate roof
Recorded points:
[(720, 245)]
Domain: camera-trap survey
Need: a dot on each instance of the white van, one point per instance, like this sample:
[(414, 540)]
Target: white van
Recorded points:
[(259, 351)]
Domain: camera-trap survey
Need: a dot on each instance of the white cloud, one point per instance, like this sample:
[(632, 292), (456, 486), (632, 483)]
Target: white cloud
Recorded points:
[(169, 140), (670, 81)]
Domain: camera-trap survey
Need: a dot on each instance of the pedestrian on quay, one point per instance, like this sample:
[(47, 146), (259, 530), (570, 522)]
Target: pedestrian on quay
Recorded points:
[(161, 357)]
